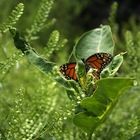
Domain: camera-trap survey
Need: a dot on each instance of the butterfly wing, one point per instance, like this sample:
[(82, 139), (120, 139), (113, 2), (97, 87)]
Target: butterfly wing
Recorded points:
[(98, 62), (68, 70)]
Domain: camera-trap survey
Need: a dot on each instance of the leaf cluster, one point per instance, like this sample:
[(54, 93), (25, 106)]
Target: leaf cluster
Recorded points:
[(33, 105)]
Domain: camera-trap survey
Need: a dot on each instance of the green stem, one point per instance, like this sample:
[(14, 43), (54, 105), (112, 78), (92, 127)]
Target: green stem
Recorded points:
[(90, 136)]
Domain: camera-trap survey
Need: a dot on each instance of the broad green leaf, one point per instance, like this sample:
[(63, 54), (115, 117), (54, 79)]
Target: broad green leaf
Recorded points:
[(113, 66), (101, 102), (65, 83), (94, 106), (85, 121), (107, 91), (94, 41), (40, 62), (116, 63), (20, 43)]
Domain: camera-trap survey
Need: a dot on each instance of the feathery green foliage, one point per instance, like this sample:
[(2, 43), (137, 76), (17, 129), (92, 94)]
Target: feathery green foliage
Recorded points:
[(13, 18), (112, 17), (35, 105), (31, 117), (54, 44), (133, 47), (40, 18), (8, 64)]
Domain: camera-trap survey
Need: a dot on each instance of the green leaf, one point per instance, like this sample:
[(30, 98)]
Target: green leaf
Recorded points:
[(116, 63), (94, 106), (113, 66), (86, 122), (40, 62), (101, 102), (94, 41), (80, 69), (107, 91)]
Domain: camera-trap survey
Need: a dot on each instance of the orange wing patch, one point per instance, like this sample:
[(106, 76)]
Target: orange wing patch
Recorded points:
[(68, 70)]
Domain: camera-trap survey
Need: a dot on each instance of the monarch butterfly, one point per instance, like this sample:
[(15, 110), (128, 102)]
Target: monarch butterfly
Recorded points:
[(97, 61)]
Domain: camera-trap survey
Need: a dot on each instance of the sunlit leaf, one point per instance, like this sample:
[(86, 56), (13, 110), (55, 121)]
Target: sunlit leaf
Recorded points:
[(101, 102), (94, 41)]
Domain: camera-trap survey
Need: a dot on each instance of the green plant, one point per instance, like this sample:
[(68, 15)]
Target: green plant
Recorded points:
[(13, 18), (33, 105), (100, 103)]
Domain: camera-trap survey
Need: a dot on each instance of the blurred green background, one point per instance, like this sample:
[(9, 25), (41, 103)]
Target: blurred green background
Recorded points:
[(74, 17), (32, 105)]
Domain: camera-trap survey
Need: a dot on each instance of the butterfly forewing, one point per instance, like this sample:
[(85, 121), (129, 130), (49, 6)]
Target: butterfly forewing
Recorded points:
[(68, 70), (98, 61)]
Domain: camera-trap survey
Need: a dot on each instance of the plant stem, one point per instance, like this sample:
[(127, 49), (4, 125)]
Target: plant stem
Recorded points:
[(90, 136)]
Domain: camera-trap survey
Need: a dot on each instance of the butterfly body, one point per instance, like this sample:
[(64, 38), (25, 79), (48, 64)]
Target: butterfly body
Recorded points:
[(97, 62)]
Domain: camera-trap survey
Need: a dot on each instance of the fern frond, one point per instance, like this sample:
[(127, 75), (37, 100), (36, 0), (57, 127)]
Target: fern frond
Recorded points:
[(10, 62), (15, 116), (40, 18), (55, 125), (61, 44), (129, 42), (43, 113), (112, 17), (54, 43), (133, 47), (49, 23), (13, 18)]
